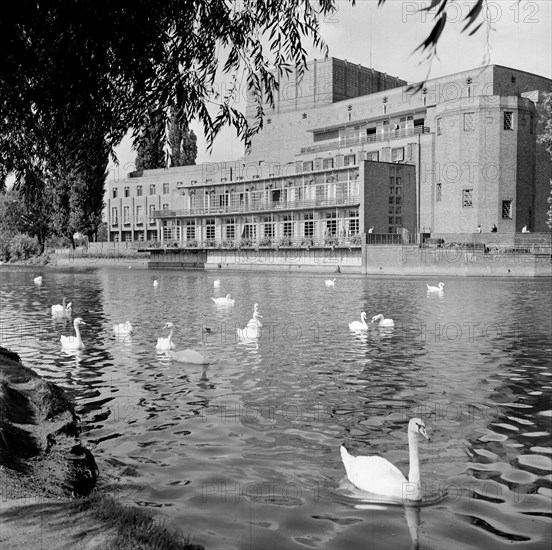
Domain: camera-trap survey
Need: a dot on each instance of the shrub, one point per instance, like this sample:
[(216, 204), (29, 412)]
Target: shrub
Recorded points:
[(286, 241), (266, 241), (23, 247), (356, 239)]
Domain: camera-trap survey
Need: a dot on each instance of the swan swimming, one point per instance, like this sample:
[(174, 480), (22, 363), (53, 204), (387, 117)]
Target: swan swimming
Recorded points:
[(166, 343), (382, 321), (252, 330), (359, 325), (38, 280), (217, 283), (191, 355), (156, 283), (62, 309), (436, 288), (330, 282), (226, 301), (72, 342), (123, 329), (378, 476)]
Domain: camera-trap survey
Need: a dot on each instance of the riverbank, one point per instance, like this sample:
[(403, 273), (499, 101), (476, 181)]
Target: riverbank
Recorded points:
[(48, 494)]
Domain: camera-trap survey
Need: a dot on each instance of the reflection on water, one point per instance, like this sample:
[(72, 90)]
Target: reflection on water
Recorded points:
[(244, 452)]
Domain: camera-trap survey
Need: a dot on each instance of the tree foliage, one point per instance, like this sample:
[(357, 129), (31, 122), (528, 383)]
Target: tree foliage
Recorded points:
[(182, 140), (150, 150), (545, 138)]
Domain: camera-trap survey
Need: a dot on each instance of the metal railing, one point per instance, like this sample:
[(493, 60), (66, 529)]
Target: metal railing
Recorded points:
[(371, 138), (252, 207)]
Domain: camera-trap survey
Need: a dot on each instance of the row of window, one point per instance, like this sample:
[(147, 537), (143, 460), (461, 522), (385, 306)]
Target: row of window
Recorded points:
[(139, 190), (508, 122), (467, 200), (397, 154), (139, 214)]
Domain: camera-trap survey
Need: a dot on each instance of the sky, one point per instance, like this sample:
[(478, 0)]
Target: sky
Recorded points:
[(517, 35)]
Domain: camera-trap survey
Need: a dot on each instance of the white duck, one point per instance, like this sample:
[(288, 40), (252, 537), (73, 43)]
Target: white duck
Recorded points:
[(383, 323), (217, 283), (73, 342), (359, 325), (123, 329), (191, 355), (378, 476), (38, 280), (156, 283), (226, 301), (166, 343), (438, 288), (253, 328), (62, 309), (330, 282)]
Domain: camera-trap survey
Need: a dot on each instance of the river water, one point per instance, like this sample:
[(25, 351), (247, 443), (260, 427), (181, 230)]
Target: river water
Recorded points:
[(244, 453)]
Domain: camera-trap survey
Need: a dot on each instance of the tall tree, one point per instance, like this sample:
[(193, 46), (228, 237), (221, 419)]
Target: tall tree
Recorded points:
[(150, 150), (182, 140)]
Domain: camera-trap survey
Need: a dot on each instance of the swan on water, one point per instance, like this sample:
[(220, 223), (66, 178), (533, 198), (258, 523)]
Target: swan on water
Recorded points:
[(73, 342), (62, 309), (226, 301), (38, 280), (252, 330), (123, 329), (436, 288), (330, 282), (377, 475), (217, 283), (166, 343), (191, 355), (359, 325), (156, 283), (382, 321)]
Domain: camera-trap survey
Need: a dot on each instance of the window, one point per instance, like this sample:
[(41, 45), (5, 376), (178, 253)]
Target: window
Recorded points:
[(114, 192), (190, 230), (288, 229), (372, 155), (127, 191), (327, 163), (307, 166), (331, 223), (469, 122), (308, 230), (165, 189), (151, 212), (438, 189), (398, 221), (165, 207), (467, 198), (506, 209), (397, 200), (353, 226), (531, 124), (114, 216), (269, 230), (139, 214), (349, 160), (152, 189), (397, 154), (439, 127), (391, 222), (210, 229), (139, 191), (126, 215), (391, 200), (508, 120)]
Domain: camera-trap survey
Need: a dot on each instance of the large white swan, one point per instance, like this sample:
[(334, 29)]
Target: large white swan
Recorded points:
[(38, 280), (383, 322), (123, 329), (225, 301), (330, 282), (62, 309), (253, 328), (156, 283), (378, 476), (166, 343), (438, 288), (217, 283), (359, 325), (73, 342), (191, 355)]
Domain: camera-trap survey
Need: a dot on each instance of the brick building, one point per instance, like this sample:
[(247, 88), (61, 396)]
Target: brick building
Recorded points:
[(463, 149)]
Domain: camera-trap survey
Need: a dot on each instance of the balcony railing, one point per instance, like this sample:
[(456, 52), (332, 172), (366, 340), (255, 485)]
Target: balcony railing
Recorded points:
[(361, 140), (260, 206)]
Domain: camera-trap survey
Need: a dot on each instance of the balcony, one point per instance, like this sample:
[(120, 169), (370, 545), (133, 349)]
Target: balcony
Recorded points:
[(361, 140), (253, 207)]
